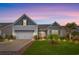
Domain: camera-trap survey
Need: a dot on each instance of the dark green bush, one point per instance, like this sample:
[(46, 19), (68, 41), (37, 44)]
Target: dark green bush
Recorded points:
[(50, 36), (1, 39), (6, 36), (10, 37), (62, 38), (75, 33), (53, 36), (35, 37)]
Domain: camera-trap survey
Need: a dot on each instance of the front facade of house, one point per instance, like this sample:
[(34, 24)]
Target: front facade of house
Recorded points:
[(23, 28), (26, 28)]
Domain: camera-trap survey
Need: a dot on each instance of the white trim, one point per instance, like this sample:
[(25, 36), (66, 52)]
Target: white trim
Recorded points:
[(24, 22), (0, 32)]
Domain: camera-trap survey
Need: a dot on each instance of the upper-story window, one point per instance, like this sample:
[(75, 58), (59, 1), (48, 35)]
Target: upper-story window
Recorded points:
[(24, 22)]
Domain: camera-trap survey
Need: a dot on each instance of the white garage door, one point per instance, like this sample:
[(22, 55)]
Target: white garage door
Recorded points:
[(24, 35)]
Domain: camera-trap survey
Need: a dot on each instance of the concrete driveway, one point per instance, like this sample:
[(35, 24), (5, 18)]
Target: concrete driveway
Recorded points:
[(15, 47)]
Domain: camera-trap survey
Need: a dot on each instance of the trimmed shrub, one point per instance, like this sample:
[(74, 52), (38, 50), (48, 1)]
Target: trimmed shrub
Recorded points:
[(53, 36), (62, 38), (50, 36), (56, 36), (35, 37)]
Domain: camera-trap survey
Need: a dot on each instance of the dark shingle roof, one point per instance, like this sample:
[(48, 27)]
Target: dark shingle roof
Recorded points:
[(4, 24), (55, 24), (43, 26), (24, 16)]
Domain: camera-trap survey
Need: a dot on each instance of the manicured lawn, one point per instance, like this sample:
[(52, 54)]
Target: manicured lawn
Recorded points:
[(46, 48)]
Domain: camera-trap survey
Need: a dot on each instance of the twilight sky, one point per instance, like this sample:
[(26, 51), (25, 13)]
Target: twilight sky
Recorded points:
[(40, 13)]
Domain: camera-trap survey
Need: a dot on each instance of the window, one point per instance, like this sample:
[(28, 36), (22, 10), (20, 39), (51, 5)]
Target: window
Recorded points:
[(54, 31), (24, 22)]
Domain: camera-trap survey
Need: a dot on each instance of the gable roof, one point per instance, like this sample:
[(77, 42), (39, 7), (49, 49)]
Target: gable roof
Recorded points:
[(25, 17), (55, 24)]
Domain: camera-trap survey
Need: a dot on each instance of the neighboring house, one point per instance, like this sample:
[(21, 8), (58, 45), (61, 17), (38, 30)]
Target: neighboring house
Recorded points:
[(26, 28)]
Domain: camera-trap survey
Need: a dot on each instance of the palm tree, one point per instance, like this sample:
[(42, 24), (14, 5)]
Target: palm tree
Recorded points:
[(70, 29)]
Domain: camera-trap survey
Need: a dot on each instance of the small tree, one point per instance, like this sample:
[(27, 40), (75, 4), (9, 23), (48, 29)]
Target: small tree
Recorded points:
[(75, 35), (50, 36), (70, 29)]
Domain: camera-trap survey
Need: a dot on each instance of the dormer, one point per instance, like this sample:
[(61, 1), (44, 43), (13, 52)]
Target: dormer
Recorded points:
[(55, 24)]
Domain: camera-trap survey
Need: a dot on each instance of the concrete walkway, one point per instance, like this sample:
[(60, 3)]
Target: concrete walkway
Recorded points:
[(15, 47)]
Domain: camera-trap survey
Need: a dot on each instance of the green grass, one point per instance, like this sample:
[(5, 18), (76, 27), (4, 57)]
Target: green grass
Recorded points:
[(45, 48)]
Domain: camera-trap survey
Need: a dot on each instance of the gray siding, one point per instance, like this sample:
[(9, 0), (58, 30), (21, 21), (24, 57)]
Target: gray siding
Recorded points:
[(7, 30), (62, 32), (53, 28)]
